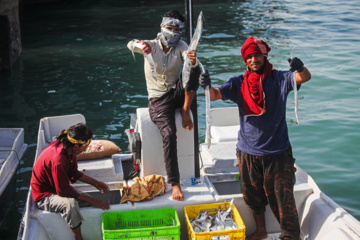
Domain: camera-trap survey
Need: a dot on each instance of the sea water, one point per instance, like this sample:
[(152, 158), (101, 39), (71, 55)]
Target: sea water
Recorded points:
[(75, 60)]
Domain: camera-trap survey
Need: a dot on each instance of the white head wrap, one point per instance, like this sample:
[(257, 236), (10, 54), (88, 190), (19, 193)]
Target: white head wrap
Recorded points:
[(169, 21), (171, 37)]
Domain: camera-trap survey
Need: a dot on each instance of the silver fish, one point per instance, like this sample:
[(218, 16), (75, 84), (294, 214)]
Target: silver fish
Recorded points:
[(218, 220), (208, 118), (295, 93), (203, 216), (220, 226), (198, 226), (227, 213), (197, 229), (149, 59), (296, 99), (230, 224), (192, 47)]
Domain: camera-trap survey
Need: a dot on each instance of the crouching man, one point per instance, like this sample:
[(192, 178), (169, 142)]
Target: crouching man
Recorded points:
[(53, 171)]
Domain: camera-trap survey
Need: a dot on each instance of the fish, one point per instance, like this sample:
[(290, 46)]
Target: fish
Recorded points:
[(295, 99), (209, 223), (199, 226), (149, 59), (220, 226), (295, 93), (218, 220), (203, 216), (207, 110), (226, 213), (197, 229), (230, 224), (192, 47), (208, 118)]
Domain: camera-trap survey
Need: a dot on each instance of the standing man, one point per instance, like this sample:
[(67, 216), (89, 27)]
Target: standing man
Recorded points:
[(266, 163), (53, 171), (166, 92)]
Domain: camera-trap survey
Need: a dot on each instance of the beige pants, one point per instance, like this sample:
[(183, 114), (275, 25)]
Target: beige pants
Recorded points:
[(67, 207)]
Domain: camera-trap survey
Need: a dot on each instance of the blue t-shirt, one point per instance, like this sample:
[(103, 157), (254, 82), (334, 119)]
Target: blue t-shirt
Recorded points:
[(266, 134)]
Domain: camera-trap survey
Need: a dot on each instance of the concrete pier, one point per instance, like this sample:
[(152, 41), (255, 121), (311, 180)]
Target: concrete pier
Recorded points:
[(10, 37)]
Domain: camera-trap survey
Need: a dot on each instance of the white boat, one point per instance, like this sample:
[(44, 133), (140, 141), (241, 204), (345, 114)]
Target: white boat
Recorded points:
[(320, 217), (12, 148)]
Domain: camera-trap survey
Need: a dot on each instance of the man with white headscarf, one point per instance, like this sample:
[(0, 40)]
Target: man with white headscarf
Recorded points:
[(165, 90)]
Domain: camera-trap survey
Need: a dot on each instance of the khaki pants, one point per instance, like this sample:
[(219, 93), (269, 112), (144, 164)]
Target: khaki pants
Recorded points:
[(67, 207)]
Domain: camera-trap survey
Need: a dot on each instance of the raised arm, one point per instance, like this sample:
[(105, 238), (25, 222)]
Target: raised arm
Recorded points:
[(215, 93), (302, 73), (205, 81), (302, 77), (134, 45)]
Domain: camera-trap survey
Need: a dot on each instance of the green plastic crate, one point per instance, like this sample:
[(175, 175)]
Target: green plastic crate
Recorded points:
[(156, 224)]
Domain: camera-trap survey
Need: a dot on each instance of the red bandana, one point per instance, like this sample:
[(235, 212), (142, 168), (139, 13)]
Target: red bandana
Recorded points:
[(253, 96)]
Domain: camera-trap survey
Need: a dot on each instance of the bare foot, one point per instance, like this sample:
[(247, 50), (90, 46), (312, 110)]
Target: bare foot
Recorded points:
[(257, 236), (186, 120), (177, 193)]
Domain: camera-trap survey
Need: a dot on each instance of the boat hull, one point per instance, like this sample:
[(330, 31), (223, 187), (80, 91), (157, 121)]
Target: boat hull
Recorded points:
[(7, 199), (12, 148)]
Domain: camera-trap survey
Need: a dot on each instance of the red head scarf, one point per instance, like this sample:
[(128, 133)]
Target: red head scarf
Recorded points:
[(253, 96)]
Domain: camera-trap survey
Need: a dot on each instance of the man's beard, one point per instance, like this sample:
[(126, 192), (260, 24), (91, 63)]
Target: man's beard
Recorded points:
[(260, 71)]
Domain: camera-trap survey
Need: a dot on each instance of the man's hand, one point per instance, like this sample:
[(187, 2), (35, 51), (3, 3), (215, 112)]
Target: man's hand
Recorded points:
[(147, 48), (94, 201), (296, 65), (100, 204), (99, 185), (102, 187), (205, 80), (303, 75), (192, 56)]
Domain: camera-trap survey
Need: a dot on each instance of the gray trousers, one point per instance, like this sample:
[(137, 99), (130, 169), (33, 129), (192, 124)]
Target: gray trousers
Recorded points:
[(68, 208)]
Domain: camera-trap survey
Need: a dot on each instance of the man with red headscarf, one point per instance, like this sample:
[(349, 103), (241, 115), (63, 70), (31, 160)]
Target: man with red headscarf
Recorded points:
[(266, 163)]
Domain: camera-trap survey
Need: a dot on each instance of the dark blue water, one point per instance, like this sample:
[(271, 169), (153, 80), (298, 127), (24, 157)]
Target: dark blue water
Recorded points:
[(75, 60)]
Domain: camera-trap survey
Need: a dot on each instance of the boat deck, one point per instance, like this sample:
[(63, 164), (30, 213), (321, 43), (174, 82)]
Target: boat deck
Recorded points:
[(198, 194), (320, 218)]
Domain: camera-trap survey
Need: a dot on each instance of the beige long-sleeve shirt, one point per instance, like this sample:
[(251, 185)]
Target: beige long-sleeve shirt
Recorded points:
[(168, 66)]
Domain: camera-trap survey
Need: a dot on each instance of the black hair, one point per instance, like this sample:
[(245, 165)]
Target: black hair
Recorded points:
[(79, 131), (174, 14)]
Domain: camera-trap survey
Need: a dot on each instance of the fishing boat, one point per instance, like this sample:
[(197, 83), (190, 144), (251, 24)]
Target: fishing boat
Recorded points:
[(320, 217), (12, 148)]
